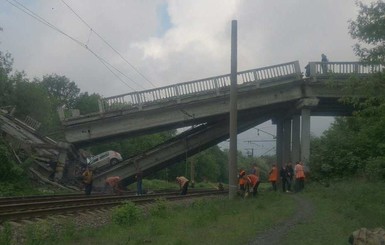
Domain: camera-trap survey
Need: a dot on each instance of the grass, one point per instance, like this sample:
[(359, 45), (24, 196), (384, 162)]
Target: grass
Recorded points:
[(149, 185), (201, 222), (339, 209)]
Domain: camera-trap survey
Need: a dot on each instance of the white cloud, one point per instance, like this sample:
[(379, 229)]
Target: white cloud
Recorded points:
[(196, 45)]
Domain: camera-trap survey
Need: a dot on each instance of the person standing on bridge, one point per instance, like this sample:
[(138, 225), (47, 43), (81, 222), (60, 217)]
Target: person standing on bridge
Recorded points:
[(273, 177), (87, 180), (324, 65), (183, 184)]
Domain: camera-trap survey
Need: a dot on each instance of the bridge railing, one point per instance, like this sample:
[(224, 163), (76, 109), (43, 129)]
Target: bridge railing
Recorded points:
[(320, 69), (208, 85)]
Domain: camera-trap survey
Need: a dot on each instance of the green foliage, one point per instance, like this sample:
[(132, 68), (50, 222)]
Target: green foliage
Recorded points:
[(61, 90), (215, 221), (352, 143), (39, 233), (375, 168), (339, 210), (369, 30), (6, 84), (206, 212), (160, 208), (6, 234), (9, 171), (33, 101), (87, 103), (126, 214)]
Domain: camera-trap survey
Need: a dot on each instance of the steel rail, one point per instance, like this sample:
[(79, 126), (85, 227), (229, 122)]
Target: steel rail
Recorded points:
[(43, 209)]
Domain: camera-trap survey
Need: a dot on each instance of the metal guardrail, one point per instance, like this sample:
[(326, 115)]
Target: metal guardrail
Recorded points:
[(319, 69), (208, 85)]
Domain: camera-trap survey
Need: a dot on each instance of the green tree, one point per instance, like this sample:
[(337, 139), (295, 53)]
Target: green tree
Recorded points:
[(6, 85), (87, 103), (32, 100), (355, 145), (61, 90), (369, 30), (9, 171)]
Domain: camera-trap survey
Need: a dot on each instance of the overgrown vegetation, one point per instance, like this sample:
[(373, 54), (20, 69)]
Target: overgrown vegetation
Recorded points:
[(126, 214), (340, 209), (216, 221), (354, 146)]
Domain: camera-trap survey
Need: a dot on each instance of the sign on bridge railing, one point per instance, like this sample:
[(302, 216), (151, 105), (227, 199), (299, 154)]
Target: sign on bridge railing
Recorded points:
[(208, 85)]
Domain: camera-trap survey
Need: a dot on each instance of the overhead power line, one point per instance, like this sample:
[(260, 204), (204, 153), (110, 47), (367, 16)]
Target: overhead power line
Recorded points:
[(258, 130), (108, 44), (29, 12)]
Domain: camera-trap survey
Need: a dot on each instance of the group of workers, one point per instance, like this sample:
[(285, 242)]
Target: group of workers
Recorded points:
[(112, 185), (248, 183), (287, 174)]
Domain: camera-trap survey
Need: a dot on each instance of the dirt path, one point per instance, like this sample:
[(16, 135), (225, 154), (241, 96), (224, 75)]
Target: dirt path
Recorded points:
[(274, 235)]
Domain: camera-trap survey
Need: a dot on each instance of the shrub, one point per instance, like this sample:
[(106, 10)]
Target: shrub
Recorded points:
[(375, 169), (40, 232), (126, 214), (204, 212), (160, 208)]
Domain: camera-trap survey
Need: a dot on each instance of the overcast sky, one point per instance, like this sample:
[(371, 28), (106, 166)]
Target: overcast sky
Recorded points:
[(166, 42)]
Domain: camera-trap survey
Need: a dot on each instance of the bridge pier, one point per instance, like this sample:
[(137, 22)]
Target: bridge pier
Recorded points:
[(286, 141), (305, 137), (279, 142), (293, 135), (283, 141), (296, 139)]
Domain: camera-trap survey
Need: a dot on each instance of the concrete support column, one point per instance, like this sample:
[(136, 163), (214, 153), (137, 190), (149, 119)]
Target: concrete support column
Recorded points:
[(279, 143), (286, 141), (296, 143), (233, 181), (60, 165), (305, 137)]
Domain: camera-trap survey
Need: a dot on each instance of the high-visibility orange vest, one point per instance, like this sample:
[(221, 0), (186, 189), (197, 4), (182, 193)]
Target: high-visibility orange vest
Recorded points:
[(273, 174), (253, 179), (299, 173), (113, 181), (242, 181)]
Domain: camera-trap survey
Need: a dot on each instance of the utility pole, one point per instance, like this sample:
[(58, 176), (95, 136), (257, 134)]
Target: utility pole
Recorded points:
[(192, 172), (233, 185)]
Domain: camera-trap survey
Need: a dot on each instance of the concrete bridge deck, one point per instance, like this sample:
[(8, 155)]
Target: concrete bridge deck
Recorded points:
[(278, 92)]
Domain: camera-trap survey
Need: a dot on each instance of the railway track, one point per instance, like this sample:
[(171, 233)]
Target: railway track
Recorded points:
[(33, 207)]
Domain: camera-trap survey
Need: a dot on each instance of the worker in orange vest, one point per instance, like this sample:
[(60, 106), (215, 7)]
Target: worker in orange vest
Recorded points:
[(253, 183), (183, 184), (242, 180), (111, 185), (273, 176), (299, 177)]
